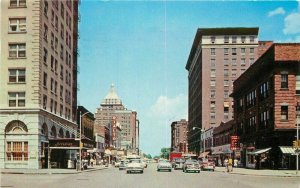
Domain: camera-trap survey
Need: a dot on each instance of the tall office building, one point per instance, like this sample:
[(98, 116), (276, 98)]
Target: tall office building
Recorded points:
[(38, 80), (217, 57), (112, 111), (179, 136)]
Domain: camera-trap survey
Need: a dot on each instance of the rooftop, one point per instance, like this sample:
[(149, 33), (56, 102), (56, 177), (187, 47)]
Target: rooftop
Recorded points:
[(111, 98)]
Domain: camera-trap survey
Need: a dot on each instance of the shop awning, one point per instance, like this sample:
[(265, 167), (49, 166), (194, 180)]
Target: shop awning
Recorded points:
[(259, 151), (217, 152), (204, 154), (287, 150)]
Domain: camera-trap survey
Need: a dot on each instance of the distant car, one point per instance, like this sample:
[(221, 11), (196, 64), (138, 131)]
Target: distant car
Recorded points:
[(207, 165), (164, 165), (179, 163), (135, 165), (123, 165), (191, 166)]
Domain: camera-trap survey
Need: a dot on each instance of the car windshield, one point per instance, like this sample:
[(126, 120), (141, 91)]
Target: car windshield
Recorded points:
[(191, 161), (179, 160), (135, 161)]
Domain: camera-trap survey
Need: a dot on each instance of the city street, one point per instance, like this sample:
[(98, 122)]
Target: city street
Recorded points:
[(114, 178)]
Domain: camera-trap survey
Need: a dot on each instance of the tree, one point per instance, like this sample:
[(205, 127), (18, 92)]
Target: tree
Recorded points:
[(165, 153)]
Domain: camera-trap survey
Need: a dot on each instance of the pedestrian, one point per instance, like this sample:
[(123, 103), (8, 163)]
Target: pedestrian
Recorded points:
[(235, 161), (229, 165), (226, 164)]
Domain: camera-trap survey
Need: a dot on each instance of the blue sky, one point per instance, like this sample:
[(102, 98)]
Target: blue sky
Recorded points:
[(142, 48)]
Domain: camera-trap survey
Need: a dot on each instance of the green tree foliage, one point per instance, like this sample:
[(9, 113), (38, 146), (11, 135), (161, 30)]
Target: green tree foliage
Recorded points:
[(165, 153)]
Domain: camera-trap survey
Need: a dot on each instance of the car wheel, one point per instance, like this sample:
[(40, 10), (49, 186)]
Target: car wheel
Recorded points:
[(170, 170), (198, 171), (142, 171), (157, 170)]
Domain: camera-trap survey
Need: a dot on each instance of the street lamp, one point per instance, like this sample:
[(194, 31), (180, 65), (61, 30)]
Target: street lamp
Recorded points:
[(80, 143), (202, 131), (297, 125)]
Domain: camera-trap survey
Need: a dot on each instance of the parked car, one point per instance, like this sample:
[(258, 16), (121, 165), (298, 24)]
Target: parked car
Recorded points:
[(191, 166), (164, 165), (135, 165), (179, 163), (123, 165), (207, 165)]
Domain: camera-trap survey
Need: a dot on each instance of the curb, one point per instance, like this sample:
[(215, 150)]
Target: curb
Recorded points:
[(261, 175), (44, 173)]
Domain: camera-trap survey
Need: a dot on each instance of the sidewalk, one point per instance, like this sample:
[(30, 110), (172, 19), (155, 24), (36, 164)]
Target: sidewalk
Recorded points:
[(51, 171), (262, 172)]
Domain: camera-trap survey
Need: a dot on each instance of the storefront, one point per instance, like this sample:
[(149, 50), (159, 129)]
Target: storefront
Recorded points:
[(64, 153), (220, 153), (258, 158), (287, 157)]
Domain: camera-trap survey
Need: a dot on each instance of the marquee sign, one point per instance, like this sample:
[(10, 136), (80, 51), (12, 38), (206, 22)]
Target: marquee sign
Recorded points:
[(234, 143)]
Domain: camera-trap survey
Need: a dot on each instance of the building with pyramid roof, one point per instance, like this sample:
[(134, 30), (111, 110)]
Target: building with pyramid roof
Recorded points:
[(111, 113)]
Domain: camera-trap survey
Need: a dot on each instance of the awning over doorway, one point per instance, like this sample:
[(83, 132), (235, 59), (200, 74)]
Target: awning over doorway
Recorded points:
[(259, 151), (204, 154), (288, 150), (217, 152)]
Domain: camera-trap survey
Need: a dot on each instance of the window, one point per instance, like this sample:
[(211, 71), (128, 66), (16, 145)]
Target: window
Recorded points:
[(233, 39), (213, 62), (17, 25), (212, 105), (45, 32), (51, 105), (284, 81), (213, 83), (52, 17), (212, 93), (233, 72), (16, 75), (52, 40), (226, 39), (212, 51), (55, 107), (61, 51), (233, 61), (251, 61), (226, 51), (17, 50), (226, 94), (52, 63), (46, 8), (243, 39), (243, 50), (61, 110), (45, 55), (56, 44), (56, 23), (212, 115), (17, 3), (251, 50), (213, 73), (212, 39), (55, 87), (62, 31), (17, 151), (61, 91), (226, 72), (298, 85), (284, 112), (45, 102), (233, 51), (52, 85), (243, 61), (45, 80), (62, 10), (55, 66), (252, 39), (226, 62), (62, 72), (16, 99), (226, 82)]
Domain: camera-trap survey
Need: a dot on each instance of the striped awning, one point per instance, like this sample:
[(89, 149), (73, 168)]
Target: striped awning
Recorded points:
[(287, 150)]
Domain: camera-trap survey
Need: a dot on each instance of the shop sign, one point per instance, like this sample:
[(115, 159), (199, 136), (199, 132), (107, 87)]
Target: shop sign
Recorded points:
[(64, 143), (88, 145), (114, 128), (234, 143)]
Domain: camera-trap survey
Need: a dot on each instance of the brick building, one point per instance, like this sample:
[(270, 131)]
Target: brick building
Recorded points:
[(179, 136), (265, 98)]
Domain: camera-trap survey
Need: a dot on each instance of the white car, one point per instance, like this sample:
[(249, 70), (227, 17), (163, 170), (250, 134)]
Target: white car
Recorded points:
[(164, 165), (135, 165)]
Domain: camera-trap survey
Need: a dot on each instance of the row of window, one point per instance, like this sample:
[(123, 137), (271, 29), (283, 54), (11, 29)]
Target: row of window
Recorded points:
[(54, 107), (233, 61), (226, 83), (234, 39), (233, 51), (213, 93)]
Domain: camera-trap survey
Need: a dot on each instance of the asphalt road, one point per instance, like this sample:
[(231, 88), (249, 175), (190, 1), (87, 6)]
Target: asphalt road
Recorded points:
[(113, 178)]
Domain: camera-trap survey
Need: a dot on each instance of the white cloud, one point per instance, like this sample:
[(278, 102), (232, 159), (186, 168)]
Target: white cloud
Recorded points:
[(277, 11), (292, 24), (170, 108)]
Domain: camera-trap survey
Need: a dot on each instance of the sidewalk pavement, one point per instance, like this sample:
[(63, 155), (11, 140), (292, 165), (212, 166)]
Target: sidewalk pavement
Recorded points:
[(261, 172), (51, 171)]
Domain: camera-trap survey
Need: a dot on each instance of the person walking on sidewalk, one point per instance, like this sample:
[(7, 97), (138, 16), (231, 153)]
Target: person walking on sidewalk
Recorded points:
[(226, 164), (229, 169)]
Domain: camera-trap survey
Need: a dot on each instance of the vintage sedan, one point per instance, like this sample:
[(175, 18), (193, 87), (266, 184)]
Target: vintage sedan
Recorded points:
[(207, 165), (135, 165), (164, 165), (191, 166), (179, 162)]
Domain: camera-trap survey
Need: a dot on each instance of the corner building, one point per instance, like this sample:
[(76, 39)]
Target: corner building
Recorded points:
[(217, 57), (265, 100), (38, 80)]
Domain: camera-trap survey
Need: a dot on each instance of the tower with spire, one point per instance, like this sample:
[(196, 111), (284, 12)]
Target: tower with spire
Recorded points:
[(112, 112)]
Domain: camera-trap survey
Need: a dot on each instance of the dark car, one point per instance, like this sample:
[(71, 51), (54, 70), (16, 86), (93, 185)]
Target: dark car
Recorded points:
[(191, 166)]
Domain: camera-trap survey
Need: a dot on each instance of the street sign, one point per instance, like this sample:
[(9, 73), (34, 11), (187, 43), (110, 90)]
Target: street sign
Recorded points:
[(296, 144)]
